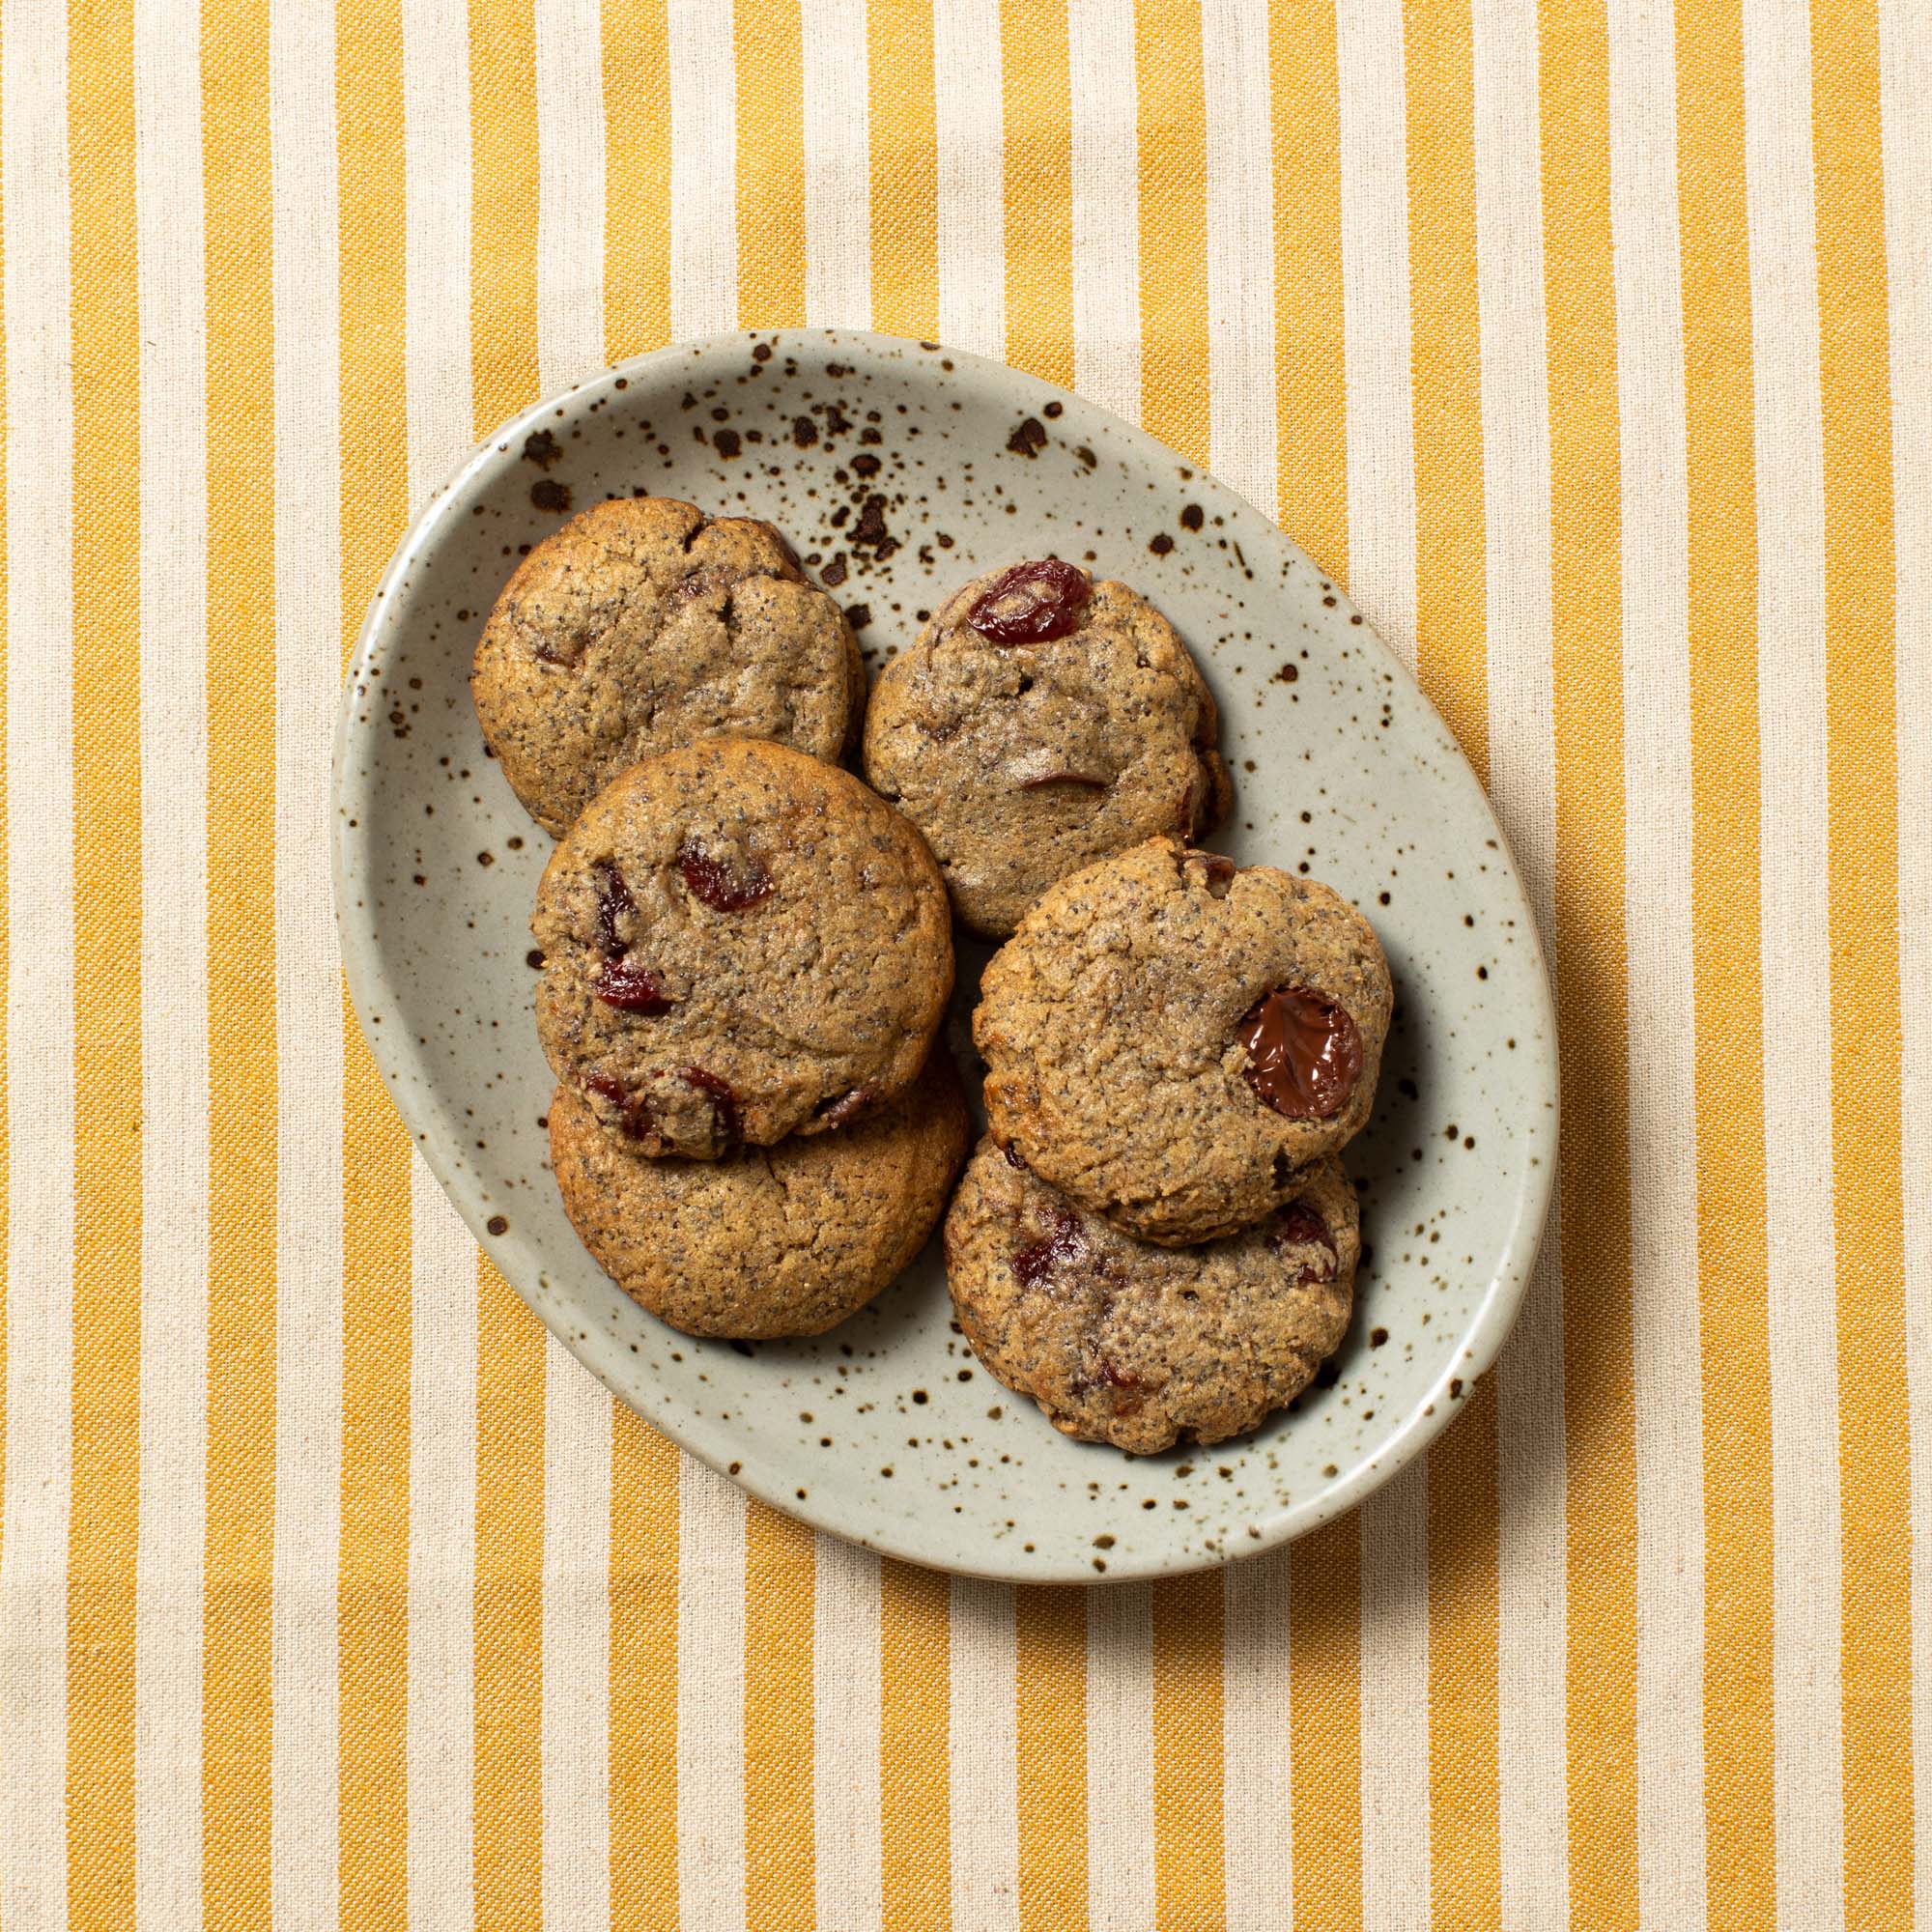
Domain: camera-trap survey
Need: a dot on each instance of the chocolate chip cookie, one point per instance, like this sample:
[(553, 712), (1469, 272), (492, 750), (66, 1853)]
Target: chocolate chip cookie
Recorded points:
[(739, 943), (782, 1241), (1169, 1038), (643, 625), (1123, 1342), (1040, 722)]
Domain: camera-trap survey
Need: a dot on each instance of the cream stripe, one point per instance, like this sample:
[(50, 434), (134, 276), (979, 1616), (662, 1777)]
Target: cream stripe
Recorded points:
[(837, 167), (1106, 212), (1374, 309), (1258, 1829), (1905, 76), (174, 967), (1120, 1759), (442, 1556), (40, 991), (1240, 248), (711, 1512), (845, 1716), (1381, 552), (1663, 1101), (984, 1740), (308, 1307), (710, 1692), (845, 1699), (577, 1410), (1533, 1828), (703, 151), (1794, 846), (967, 112), (440, 1755)]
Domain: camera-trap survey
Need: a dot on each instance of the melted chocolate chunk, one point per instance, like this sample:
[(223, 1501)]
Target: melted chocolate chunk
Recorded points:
[(1305, 1053), (613, 900), (1032, 1264), (721, 887), (1299, 1225), (1031, 603), (632, 990), (1065, 777), (848, 1107)]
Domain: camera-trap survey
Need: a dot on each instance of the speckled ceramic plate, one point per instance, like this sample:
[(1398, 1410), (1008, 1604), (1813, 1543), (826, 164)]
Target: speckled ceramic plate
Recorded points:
[(897, 469)]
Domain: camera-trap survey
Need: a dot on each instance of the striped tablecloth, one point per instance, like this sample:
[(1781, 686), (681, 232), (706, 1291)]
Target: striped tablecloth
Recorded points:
[(1593, 345)]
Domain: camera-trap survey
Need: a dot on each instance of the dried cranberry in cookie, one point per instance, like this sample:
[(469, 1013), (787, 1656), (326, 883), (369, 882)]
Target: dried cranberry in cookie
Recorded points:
[(1040, 722), (739, 943), (643, 625), (1169, 1037), (1124, 1341)]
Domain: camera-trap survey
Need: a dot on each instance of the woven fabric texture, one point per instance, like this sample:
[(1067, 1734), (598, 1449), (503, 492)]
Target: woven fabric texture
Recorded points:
[(1590, 342)]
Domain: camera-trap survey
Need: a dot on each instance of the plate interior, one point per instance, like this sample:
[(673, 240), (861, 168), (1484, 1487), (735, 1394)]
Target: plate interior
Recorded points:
[(897, 469)]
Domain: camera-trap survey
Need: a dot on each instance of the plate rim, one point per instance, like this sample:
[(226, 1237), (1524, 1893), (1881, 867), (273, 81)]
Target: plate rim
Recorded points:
[(1378, 1463)]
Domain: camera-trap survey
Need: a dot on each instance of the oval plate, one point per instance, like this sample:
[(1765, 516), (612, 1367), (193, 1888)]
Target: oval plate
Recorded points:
[(897, 471)]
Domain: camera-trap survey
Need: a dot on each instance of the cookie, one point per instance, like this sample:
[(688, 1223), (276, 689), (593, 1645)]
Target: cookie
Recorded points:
[(739, 943), (1169, 1038), (1123, 1342), (782, 1241), (643, 625), (1040, 722)]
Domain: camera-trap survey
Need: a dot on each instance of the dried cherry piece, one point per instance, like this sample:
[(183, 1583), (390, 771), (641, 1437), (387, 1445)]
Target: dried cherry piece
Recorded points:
[(613, 900), (722, 887), (1031, 603), (632, 990), (1305, 1052), (1300, 1224), (1032, 1264), (723, 1098)]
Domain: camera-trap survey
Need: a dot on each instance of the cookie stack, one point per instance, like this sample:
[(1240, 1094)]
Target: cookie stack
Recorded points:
[(747, 953)]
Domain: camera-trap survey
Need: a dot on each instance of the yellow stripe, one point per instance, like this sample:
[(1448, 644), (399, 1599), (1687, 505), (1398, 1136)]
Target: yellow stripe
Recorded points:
[(503, 208), (1038, 111), (508, 1804), (1586, 617), (904, 168), (771, 166), (1312, 491), (916, 1861), (106, 970), (1324, 1697), (1050, 1687), (1464, 1845), (637, 178), (1452, 662), (1739, 1785), (1187, 1761), (237, 1701), (1174, 224), (373, 1621), (1859, 696), (6, 918), (780, 1571), (643, 1677)]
